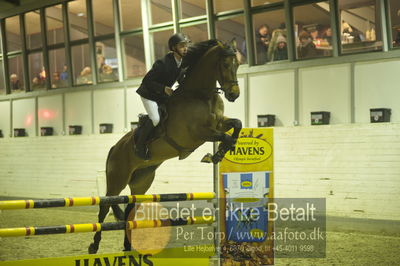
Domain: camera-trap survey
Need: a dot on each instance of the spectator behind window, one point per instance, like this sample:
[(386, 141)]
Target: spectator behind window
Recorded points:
[(281, 52), (306, 48), (56, 82), (64, 74), (327, 35), (262, 39), (396, 41), (314, 34), (14, 82), (350, 35), (101, 61), (107, 74), (42, 74), (36, 83), (85, 77), (277, 49)]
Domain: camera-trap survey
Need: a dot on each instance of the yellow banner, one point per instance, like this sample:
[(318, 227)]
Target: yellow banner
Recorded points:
[(122, 258), (246, 186)]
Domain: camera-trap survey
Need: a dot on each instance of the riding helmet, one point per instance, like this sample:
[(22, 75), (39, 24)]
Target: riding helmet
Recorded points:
[(177, 38)]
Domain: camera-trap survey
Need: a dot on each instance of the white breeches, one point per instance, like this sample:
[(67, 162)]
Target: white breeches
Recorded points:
[(152, 110)]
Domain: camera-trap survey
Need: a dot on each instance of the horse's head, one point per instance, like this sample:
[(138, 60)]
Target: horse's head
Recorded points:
[(227, 68)]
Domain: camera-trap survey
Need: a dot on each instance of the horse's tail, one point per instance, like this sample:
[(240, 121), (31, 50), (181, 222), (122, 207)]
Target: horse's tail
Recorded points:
[(117, 211), (108, 157)]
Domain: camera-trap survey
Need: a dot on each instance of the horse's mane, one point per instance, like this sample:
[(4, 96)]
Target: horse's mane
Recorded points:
[(197, 50)]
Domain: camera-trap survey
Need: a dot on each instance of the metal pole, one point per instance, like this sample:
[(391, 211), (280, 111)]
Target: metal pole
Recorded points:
[(388, 24), (334, 13), (381, 13), (25, 61), (67, 42), (107, 200), (176, 14), (5, 57), (96, 227), (146, 34), (118, 44), (249, 33), (210, 19), (45, 49), (92, 44), (289, 30)]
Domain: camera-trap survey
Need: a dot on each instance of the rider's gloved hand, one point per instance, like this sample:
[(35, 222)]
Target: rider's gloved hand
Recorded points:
[(168, 91)]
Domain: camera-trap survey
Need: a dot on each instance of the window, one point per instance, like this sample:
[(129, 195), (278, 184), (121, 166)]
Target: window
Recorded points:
[(107, 62), (263, 2), (313, 30), (58, 69), (77, 20), (13, 34), (16, 74), (82, 70), (135, 64), (360, 28), (232, 29), (37, 73), (270, 43), (32, 25), (103, 18), (192, 8), (161, 11), (55, 25), (160, 41), (227, 5), (131, 15), (196, 33), (394, 7)]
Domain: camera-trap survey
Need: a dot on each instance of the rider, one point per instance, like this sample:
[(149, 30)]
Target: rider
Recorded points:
[(156, 87)]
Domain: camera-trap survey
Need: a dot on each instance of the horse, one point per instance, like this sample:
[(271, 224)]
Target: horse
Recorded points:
[(195, 116)]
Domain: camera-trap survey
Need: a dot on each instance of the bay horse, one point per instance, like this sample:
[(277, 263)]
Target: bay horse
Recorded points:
[(195, 116)]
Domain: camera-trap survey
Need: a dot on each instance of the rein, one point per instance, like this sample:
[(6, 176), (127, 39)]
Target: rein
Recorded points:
[(230, 82)]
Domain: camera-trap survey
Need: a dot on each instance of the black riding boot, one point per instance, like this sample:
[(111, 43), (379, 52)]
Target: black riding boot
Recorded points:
[(141, 147)]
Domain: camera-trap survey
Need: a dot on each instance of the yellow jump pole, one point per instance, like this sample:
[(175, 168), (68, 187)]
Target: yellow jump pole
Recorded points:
[(110, 200), (95, 227)]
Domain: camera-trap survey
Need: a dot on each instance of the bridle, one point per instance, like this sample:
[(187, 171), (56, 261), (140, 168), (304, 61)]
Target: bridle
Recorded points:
[(231, 82)]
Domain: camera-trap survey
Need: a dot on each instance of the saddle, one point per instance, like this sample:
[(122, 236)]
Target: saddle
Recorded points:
[(160, 131)]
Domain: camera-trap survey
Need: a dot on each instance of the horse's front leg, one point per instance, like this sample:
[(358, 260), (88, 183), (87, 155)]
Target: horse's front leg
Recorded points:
[(227, 141)]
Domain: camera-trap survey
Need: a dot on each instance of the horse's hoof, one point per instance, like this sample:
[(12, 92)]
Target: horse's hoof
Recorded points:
[(92, 249), (216, 158), (207, 158)]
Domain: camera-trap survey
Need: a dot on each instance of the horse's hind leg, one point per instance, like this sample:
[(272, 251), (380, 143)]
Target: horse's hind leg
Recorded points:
[(113, 190), (97, 237), (140, 182)]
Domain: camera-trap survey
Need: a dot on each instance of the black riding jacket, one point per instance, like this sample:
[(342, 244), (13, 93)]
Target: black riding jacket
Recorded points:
[(163, 74)]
